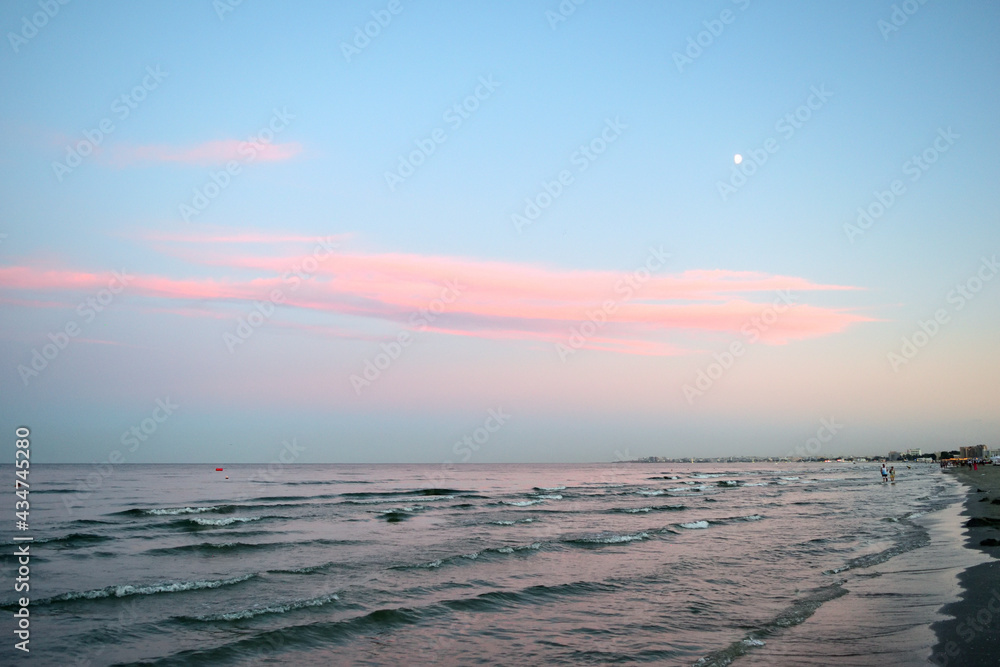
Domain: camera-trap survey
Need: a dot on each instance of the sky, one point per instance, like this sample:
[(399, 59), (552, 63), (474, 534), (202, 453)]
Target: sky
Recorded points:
[(395, 231)]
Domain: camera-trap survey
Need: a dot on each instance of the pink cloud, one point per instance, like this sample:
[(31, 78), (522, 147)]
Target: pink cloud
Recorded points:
[(638, 311), (209, 153)]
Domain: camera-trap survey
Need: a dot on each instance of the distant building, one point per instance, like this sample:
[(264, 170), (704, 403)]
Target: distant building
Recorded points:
[(914, 452), (894, 456), (973, 452)]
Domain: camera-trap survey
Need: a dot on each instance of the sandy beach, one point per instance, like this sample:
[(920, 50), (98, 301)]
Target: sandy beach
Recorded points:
[(972, 637)]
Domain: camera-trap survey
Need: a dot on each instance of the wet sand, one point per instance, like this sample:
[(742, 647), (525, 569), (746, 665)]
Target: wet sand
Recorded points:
[(972, 637)]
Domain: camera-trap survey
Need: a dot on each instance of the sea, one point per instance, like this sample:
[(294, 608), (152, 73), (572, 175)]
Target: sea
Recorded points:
[(530, 564)]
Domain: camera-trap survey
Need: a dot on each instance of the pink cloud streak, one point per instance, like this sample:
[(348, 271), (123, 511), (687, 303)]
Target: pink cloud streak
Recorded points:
[(488, 299), (209, 153)]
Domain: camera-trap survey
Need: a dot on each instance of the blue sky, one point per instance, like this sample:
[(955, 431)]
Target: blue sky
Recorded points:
[(554, 87)]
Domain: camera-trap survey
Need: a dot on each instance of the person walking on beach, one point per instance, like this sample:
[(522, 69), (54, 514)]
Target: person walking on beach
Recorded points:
[(885, 473), (892, 474)]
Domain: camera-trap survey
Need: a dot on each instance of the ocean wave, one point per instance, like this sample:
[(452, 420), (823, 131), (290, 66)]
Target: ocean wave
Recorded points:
[(381, 620), (550, 488), (223, 547), (200, 521), (549, 496), (607, 538), (693, 525), (475, 555), (534, 546), (510, 522), (914, 540), (728, 482), (650, 508), (127, 590), (414, 492), (687, 490), (271, 609), (74, 540), (520, 503), (795, 614), (651, 492), (386, 501), (181, 510)]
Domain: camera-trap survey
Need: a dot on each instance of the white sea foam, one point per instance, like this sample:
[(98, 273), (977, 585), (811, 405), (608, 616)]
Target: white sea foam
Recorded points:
[(224, 522), (168, 587), (694, 524), (520, 503), (651, 492), (275, 609), (550, 496), (383, 501), (612, 539), (171, 511), (636, 510)]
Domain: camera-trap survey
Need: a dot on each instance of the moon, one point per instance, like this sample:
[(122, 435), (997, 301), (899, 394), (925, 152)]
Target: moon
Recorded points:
[(737, 158)]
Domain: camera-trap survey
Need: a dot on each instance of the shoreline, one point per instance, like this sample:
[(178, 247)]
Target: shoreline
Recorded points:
[(971, 637)]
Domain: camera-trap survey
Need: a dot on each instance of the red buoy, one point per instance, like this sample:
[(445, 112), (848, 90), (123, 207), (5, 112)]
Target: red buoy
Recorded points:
[(218, 469)]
